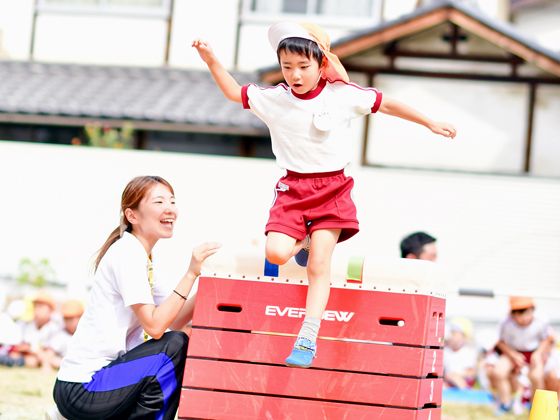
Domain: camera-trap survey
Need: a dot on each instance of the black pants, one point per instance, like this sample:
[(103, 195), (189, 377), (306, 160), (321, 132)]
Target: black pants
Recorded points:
[(144, 383)]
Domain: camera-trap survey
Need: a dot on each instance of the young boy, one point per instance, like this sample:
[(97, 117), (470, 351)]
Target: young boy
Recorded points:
[(524, 337), (309, 122)]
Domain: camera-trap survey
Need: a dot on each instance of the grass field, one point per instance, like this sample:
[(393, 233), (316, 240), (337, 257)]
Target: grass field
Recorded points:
[(25, 394)]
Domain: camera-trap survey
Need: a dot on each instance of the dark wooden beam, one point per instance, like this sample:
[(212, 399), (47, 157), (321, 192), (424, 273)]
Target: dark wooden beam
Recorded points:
[(366, 126), (168, 38), (505, 42), (138, 125), (457, 76), (530, 118), (454, 38), (460, 57)]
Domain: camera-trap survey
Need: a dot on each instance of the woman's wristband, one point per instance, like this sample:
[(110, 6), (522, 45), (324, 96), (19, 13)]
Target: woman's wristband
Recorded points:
[(184, 297)]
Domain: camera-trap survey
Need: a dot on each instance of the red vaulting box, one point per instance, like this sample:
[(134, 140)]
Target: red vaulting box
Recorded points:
[(380, 347)]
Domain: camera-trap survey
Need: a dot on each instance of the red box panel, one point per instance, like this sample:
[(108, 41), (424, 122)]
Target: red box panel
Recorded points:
[(350, 314), (200, 404), (331, 354), (312, 383)]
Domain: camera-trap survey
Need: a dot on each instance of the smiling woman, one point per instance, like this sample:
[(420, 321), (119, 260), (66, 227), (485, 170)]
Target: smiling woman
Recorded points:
[(121, 362)]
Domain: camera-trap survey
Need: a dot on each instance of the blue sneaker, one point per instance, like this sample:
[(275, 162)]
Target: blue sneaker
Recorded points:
[(501, 410), (303, 255), (302, 354)]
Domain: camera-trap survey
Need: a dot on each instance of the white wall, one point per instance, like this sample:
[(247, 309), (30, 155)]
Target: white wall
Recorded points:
[(16, 21), (61, 202), (541, 24), (490, 119), (545, 152)]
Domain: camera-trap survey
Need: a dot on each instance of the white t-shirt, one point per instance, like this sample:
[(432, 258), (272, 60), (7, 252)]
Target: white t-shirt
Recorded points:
[(59, 343), (109, 327), (297, 144), (460, 360), (524, 338), (38, 338)]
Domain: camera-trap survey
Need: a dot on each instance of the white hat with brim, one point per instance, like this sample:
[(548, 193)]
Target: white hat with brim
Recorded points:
[(282, 30)]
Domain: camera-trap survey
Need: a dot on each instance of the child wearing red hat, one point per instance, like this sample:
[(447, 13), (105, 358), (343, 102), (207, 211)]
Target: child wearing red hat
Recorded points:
[(309, 120), (524, 337)]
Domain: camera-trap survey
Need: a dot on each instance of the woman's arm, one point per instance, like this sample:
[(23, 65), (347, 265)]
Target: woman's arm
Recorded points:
[(155, 320), (398, 109), (185, 315), (225, 81)]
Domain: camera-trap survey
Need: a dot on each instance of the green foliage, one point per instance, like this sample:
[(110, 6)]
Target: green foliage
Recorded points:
[(35, 273), (104, 136)]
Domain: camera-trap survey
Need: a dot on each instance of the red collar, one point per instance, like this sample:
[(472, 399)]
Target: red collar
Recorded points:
[(312, 93)]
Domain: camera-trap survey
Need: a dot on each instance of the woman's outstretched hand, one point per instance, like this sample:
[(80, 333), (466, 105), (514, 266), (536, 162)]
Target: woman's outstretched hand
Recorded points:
[(200, 253), (444, 129)]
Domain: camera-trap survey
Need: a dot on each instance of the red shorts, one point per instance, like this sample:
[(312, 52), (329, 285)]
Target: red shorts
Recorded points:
[(304, 203)]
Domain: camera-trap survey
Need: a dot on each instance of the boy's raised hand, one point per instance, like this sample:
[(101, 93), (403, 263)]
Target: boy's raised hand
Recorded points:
[(204, 50), (444, 129)]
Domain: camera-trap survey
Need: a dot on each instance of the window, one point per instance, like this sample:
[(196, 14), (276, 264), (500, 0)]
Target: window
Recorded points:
[(337, 12), (143, 8)]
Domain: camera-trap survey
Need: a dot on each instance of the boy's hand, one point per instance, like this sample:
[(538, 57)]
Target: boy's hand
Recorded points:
[(444, 129), (204, 50), (518, 359)]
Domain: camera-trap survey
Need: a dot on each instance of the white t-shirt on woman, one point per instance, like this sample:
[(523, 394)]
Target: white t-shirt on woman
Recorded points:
[(109, 327)]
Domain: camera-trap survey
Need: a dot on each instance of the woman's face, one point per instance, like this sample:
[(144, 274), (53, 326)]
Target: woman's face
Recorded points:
[(156, 215)]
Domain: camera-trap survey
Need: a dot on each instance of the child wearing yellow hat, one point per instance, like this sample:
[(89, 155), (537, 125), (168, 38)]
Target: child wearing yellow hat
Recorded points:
[(524, 337), (309, 120)]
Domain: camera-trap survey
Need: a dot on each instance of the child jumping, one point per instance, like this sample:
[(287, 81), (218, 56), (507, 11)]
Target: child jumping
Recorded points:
[(309, 122)]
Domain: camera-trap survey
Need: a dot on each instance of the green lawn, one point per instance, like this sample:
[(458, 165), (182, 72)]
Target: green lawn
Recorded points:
[(25, 394)]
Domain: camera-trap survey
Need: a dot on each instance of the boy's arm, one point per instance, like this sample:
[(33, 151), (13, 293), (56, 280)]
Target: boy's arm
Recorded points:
[(398, 109), (516, 357), (224, 80)]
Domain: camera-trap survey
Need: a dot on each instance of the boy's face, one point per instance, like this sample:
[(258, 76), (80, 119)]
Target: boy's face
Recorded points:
[(42, 313), (523, 319), (301, 73), (71, 323)]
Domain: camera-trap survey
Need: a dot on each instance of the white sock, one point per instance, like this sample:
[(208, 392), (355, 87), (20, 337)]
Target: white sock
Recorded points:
[(310, 328)]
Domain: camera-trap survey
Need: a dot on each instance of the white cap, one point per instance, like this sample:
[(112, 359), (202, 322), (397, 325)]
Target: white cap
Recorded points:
[(282, 30)]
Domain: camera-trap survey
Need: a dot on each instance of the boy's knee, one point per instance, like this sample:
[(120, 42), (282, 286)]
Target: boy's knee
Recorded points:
[(277, 256)]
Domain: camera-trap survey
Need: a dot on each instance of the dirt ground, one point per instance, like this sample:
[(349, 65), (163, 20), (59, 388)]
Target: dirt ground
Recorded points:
[(25, 394)]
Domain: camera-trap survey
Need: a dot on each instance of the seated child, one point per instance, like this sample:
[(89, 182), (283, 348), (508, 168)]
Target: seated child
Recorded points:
[(523, 340), (459, 358), (72, 310), (37, 332)]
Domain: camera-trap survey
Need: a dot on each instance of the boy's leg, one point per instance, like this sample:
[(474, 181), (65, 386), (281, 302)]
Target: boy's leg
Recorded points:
[(536, 373), (501, 378), (322, 246), (281, 247), (323, 242)]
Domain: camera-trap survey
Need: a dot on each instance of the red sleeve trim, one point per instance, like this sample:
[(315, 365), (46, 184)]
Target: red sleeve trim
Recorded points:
[(245, 97), (377, 103)]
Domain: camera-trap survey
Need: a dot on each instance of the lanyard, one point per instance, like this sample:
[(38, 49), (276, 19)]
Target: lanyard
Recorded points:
[(151, 283)]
